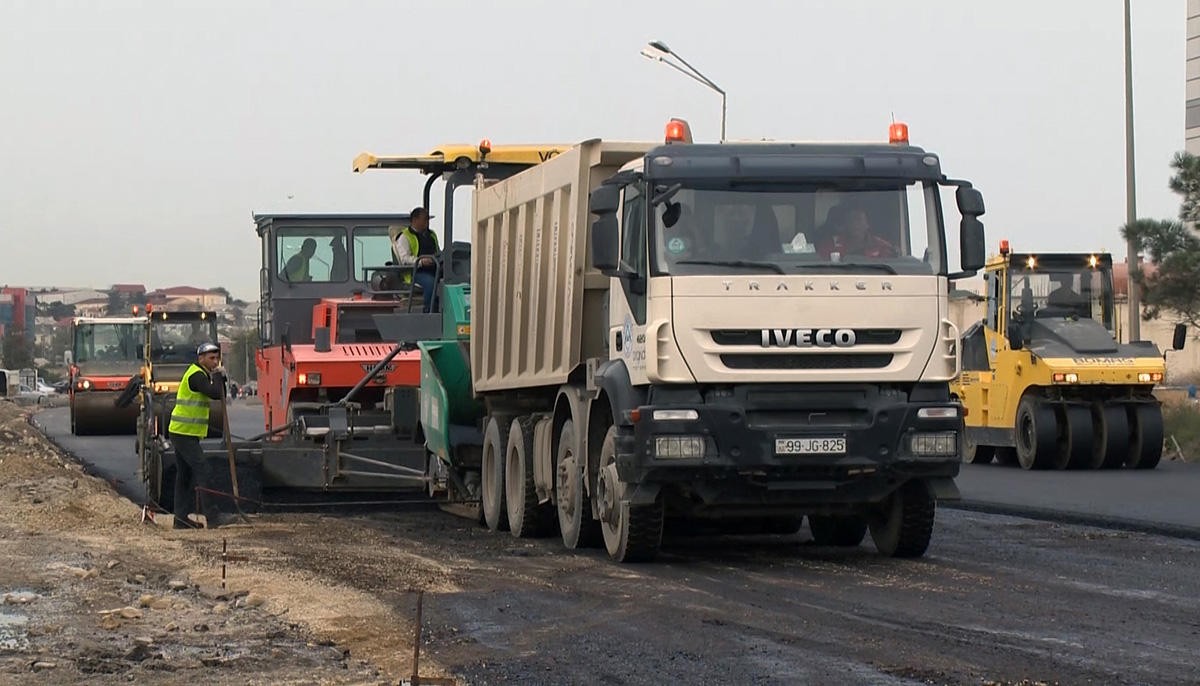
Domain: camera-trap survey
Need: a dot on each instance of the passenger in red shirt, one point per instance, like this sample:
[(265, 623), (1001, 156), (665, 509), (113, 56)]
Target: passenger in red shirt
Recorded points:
[(852, 235)]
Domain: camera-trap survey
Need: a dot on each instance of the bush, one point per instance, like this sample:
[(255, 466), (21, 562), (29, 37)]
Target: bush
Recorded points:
[(1182, 422)]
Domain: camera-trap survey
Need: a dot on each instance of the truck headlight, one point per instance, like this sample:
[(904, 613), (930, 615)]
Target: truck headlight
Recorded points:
[(949, 412), (675, 415), (1149, 377), (1067, 377), (678, 447), (84, 384), (944, 443)]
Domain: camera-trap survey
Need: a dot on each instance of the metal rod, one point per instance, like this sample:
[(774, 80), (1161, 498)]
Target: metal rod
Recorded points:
[(377, 475), (416, 673), (370, 460), (1135, 300)]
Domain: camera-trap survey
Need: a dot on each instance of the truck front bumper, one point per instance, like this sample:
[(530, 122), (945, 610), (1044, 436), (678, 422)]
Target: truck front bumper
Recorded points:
[(794, 446)]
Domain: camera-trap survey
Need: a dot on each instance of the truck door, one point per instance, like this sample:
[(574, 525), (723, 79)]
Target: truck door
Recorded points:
[(627, 304)]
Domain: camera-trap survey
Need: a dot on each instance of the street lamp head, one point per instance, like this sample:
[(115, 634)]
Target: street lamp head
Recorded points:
[(652, 55), (660, 46)]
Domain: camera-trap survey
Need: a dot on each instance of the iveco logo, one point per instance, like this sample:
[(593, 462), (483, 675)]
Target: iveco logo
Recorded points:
[(807, 338)]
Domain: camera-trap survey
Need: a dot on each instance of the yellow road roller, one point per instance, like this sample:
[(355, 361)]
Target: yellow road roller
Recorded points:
[(1045, 383)]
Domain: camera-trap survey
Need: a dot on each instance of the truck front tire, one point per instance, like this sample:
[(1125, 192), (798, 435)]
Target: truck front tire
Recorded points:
[(903, 526), (632, 533)]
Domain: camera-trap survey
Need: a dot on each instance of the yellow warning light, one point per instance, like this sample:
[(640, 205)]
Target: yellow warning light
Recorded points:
[(898, 132), (1093, 261), (1031, 262)]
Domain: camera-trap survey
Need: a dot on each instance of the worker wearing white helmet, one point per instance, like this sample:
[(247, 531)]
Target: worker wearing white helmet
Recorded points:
[(203, 382)]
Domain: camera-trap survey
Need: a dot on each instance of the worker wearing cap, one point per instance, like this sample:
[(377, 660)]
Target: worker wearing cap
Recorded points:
[(203, 382), (415, 246)]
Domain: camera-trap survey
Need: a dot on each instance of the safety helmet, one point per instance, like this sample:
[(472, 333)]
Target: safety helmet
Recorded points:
[(207, 348)]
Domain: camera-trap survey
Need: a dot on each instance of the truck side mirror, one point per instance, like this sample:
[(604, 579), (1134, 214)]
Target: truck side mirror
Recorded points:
[(972, 247), (1180, 337), (604, 200), (605, 244), (970, 201), (603, 203)]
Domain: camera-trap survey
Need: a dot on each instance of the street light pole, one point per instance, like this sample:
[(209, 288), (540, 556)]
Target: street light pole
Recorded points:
[(656, 51), (1135, 306)]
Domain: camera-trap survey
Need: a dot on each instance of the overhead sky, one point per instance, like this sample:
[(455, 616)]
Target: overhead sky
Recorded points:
[(136, 138)]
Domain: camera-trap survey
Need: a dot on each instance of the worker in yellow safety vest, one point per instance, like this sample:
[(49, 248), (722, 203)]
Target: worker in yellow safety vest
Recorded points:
[(203, 382), (417, 247)]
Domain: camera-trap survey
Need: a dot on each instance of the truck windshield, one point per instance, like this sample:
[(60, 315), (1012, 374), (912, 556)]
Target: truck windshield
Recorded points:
[(787, 229), (1059, 291), (176, 341), (107, 342)]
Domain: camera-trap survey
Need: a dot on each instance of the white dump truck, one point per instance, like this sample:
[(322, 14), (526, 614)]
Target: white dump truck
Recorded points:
[(748, 332)]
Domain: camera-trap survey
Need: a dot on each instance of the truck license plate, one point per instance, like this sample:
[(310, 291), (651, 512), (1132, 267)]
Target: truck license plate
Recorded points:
[(810, 446)]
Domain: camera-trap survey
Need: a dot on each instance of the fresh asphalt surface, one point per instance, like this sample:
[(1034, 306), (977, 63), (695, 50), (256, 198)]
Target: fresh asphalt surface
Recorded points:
[(1165, 500), (113, 459)]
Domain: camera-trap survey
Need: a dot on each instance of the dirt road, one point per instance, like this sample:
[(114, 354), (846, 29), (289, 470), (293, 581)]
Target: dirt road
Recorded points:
[(998, 600)]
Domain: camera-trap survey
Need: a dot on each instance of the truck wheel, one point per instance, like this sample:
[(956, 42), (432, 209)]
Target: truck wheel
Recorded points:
[(574, 507), (974, 453), (526, 517), (1110, 427), (495, 444), (1145, 449), (903, 526), (1075, 438), (1037, 434), (845, 531), (632, 533)]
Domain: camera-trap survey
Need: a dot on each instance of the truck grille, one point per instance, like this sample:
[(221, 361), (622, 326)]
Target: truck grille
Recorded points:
[(754, 336), (807, 361)]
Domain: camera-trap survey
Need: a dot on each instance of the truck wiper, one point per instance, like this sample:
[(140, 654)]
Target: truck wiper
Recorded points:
[(850, 266), (737, 263)]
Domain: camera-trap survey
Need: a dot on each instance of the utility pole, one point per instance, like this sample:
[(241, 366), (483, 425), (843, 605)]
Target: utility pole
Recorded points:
[(1135, 300)]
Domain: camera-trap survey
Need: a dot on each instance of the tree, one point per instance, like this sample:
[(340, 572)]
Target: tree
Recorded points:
[(1173, 290), (1186, 182), (17, 352)]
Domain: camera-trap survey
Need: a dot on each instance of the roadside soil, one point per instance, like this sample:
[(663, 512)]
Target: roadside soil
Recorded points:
[(93, 594)]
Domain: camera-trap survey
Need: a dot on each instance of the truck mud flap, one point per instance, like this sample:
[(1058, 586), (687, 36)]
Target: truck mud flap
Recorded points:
[(644, 494), (943, 489)]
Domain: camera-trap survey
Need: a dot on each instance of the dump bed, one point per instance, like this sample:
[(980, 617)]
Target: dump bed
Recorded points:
[(537, 305)]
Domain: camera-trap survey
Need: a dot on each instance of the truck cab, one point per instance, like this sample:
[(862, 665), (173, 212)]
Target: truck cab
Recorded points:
[(779, 337)]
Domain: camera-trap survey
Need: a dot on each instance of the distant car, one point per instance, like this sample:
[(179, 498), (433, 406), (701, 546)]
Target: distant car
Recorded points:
[(62, 386), (46, 388), (29, 396)]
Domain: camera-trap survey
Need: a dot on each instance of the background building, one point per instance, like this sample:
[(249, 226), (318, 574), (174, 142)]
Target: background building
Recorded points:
[(1192, 115)]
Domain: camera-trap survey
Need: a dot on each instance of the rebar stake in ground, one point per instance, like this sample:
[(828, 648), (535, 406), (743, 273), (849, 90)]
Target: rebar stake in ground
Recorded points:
[(417, 679), (226, 557)]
